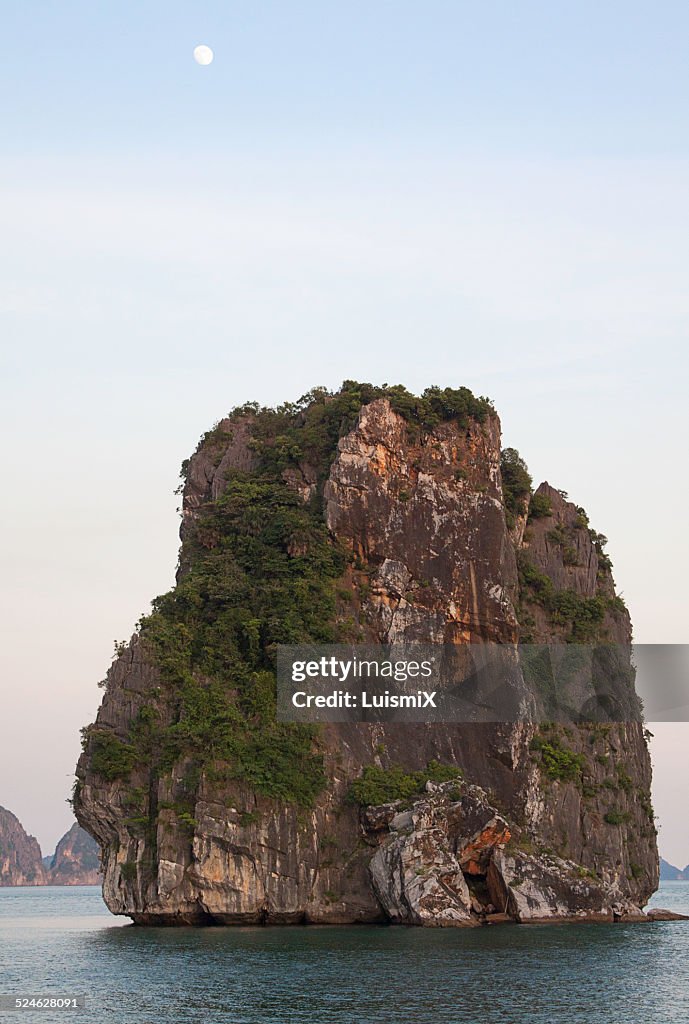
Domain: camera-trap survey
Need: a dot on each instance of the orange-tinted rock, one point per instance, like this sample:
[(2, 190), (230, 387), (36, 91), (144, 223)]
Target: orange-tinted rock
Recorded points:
[(475, 856), (433, 560)]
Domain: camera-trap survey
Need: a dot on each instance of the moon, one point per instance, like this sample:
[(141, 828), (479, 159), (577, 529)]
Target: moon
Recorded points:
[(203, 55)]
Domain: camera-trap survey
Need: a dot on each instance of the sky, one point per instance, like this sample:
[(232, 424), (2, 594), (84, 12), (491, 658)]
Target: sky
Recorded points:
[(442, 193)]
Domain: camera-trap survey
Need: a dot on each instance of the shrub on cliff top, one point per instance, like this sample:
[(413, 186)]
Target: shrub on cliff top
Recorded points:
[(309, 430)]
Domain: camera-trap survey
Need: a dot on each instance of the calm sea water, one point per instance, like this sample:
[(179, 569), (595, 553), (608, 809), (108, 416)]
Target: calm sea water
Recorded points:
[(62, 941)]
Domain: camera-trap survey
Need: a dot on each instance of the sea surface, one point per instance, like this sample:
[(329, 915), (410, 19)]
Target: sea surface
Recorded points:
[(62, 941)]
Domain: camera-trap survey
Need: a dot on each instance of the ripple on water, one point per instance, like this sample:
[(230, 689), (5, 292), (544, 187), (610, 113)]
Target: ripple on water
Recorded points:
[(60, 941)]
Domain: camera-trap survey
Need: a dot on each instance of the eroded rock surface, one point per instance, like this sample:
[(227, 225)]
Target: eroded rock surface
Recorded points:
[(20, 854), (76, 860), (431, 558), (428, 852)]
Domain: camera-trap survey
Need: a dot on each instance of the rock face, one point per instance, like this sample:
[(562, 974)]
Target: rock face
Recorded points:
[(76, 860), (419, 512), (429, 855), (20, 854), (669, 873), (198, 802)]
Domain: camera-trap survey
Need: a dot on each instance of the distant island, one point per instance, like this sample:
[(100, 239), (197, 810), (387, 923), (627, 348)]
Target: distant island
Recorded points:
[(669, 873), (76, 860)]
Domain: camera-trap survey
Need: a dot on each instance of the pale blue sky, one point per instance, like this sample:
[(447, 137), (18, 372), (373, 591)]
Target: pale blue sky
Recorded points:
[(595, 78), (492, 195)]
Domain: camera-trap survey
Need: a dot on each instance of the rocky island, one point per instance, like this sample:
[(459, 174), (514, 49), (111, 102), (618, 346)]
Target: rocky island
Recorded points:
[(20, 854), (670, 873), (76, 860), (364, 515)]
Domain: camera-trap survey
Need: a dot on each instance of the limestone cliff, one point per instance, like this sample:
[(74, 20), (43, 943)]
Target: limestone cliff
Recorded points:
[(20, 854), (76, 860), (364, 515)]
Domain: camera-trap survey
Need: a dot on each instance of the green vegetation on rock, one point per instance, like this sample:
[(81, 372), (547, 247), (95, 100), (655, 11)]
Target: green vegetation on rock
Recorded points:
[(259, 570), (557, 761), (110, 756), (617, 817), (516, 484), (540, 507), (378, 785), (128, 870), (308, 431), (582, 616)]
